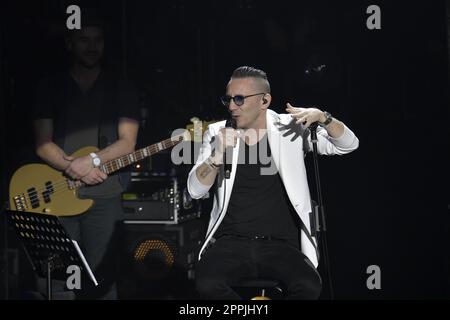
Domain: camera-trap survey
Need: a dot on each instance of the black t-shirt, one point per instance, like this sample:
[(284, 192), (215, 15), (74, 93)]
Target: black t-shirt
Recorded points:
[(86, 119), (259, 205)]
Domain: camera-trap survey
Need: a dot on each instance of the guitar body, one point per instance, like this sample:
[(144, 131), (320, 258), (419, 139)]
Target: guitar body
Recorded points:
[(41, 189)]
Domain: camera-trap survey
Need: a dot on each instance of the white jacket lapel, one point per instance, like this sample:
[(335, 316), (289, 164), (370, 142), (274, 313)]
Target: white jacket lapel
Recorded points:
[(274, 137)]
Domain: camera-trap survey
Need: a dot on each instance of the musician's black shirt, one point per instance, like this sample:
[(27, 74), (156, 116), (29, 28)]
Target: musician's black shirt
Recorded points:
[(259, 205), (86, 119)]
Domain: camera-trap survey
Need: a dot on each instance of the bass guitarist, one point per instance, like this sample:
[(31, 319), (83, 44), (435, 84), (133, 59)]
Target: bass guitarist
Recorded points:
[(87, 106)]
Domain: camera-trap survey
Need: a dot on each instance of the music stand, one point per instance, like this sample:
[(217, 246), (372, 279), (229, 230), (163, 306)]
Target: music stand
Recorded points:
[(48, 247)]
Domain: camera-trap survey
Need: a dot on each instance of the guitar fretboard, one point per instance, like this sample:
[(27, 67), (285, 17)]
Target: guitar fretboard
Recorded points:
[(119, 163)]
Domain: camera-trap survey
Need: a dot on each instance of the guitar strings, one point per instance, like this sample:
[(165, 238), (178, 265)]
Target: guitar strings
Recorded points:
[(109, 166)]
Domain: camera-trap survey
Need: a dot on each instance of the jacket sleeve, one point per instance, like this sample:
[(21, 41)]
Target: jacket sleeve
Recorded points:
[(195, 188), (328, 145)]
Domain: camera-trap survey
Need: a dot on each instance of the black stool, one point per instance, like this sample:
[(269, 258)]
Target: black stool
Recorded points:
[(259, 289)]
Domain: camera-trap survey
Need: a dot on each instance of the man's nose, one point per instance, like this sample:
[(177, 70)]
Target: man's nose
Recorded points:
[(232, 106)]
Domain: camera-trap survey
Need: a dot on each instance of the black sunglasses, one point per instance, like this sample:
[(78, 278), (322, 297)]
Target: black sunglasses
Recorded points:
[(237, 99)]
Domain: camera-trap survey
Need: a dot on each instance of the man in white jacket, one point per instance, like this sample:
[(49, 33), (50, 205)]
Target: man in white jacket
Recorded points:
[(259, 225)]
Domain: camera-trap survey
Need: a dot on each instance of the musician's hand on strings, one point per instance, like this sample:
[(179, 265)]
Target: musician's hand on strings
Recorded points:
[(95, 176), (78, 167)]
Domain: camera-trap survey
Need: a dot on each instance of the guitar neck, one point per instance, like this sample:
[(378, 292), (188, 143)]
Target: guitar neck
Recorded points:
[(119, 163)]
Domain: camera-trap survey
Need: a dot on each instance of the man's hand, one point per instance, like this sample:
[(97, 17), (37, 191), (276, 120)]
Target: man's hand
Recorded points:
[(78, 167), (227, 137), (95, 176), (305, 115)]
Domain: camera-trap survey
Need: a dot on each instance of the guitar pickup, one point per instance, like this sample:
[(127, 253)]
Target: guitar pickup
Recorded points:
[(49, 187), (33, 196), (46, 196), (49, 190)]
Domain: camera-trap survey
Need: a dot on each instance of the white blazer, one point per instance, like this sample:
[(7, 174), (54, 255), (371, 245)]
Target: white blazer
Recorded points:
[(288, 143)]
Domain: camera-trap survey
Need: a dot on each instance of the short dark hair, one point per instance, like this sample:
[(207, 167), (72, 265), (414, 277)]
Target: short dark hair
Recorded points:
[(250, 72)]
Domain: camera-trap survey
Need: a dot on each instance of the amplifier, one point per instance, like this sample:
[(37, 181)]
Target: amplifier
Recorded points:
[(158, 200), (158, 261)]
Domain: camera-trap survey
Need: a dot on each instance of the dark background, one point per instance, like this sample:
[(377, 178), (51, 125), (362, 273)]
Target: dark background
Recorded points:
[(386, 203)]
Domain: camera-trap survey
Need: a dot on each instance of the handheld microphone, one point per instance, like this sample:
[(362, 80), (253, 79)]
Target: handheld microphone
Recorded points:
[(231, 123)]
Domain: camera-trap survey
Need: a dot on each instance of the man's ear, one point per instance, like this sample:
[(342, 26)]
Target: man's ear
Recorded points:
[(266, 100)]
